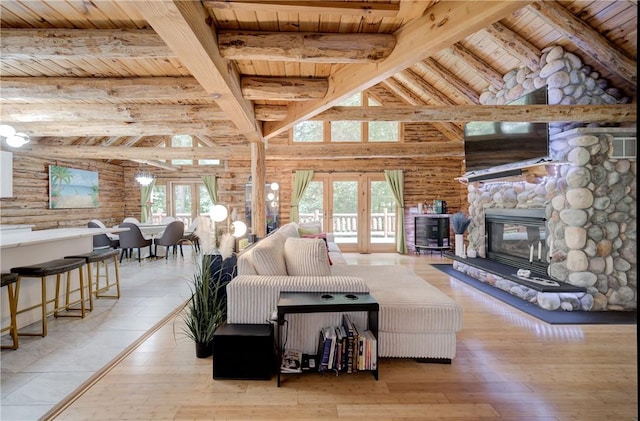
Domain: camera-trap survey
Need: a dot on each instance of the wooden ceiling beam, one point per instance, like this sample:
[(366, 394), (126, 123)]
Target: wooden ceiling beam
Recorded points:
[(457, 85), (319, 7), (135, 153), (184, 27), (99, 112), (441, 26), (412, 9), (364, 151), (449, 130), (513, 43), (270, 112), (305, 47), (158, 164), (101, 90), (462, 113), (121, 128), (81, 44), (587, 40), (283, 88), (481, 68)]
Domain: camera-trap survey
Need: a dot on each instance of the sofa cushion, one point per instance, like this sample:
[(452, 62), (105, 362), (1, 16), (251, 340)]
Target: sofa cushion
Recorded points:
[(324, 237), (306, 256), (268, 256)]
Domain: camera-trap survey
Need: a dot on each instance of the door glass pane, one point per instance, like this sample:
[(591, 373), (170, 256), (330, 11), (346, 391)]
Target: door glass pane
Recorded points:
[(158, 203), (310, 208), (205, 203), (383, 218), (182, 201), (345, 211)]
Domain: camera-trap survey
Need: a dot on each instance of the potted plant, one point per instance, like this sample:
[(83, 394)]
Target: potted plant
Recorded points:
[(460, 223), (206, 309)]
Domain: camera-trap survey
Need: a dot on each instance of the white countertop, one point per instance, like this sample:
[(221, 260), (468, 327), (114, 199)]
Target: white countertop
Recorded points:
[(12, 238)]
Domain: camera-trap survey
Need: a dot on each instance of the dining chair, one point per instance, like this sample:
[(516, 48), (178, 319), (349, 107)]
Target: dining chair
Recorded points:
[(171, 236), (102, 241), (167, 220), (132, 220), (132, 239), (190, 235)]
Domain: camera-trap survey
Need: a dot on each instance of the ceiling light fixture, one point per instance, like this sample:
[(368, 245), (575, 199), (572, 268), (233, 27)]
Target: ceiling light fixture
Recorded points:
[(13, 139), (144, 178)]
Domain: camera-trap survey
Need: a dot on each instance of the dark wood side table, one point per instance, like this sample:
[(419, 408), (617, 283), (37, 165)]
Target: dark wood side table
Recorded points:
[(325, 302)]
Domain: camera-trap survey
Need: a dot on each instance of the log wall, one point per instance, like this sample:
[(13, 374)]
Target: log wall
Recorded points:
[(426, 179), (30, 202)]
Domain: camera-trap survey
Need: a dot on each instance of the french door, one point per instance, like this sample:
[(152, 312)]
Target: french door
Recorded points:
[(188, 200), (358, 209)]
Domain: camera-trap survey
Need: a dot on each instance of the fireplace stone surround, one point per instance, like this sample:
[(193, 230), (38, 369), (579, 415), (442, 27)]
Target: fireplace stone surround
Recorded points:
[(588, 199)]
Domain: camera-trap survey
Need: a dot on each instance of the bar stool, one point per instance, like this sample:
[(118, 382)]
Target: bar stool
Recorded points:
[(42, 270), (99, 257), (8, 280)]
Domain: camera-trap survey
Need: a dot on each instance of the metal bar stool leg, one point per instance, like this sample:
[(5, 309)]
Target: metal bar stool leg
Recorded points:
[(42, 271), (10, 280)]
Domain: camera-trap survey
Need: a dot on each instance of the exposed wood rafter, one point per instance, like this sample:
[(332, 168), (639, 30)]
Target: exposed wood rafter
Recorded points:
[(462, 113), (54, 44), (283, 88), (183, 27), (481, 67), (305, 47), (588, 40), (449, 130), (363, 9), (437, 29), (517, 46)]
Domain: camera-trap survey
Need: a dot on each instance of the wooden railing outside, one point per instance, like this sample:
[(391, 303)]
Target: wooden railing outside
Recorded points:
[(383, 224)]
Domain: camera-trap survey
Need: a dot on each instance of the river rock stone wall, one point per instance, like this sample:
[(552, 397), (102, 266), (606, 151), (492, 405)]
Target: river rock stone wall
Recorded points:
[(589, 198)]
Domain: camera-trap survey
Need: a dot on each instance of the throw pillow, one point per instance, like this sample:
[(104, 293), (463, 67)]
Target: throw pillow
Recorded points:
[(306, 256), (268, 256), (322, 235)]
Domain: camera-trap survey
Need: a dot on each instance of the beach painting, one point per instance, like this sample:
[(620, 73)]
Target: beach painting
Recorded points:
[(72, 188)]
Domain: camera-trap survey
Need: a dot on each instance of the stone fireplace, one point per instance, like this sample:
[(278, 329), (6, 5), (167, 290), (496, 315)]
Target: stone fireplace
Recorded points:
[(586, 195), (587, 201)]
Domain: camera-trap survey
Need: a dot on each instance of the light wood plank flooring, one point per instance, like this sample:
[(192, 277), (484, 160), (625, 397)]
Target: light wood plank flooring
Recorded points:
[(509, 366)]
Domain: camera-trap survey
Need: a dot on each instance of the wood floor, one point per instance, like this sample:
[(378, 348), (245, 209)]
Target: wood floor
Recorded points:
[(509, 366)]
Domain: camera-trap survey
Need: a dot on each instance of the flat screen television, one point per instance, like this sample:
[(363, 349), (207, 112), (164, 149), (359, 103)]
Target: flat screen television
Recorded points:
[(489, 144)]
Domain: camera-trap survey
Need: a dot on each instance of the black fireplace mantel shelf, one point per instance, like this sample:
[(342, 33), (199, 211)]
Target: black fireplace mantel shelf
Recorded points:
[(509, 272)]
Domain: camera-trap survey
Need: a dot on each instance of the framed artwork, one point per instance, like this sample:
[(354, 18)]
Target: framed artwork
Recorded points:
[(70, 188)]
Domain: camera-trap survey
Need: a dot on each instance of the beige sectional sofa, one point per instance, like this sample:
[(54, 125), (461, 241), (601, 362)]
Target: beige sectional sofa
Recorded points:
[(416, 320)]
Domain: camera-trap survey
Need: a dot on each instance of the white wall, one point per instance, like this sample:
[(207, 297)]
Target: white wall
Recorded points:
[(6, 174)]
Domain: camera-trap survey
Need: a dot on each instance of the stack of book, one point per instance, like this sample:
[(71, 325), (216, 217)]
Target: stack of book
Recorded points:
[(346, 348), (291, 361)]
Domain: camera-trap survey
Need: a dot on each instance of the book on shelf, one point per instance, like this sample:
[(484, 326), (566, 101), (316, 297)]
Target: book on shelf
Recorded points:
[(352, 334), (291, 361), (325, 343)]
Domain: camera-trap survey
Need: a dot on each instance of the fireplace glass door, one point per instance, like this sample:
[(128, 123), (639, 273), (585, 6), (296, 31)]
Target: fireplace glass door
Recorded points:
[(518, 239)]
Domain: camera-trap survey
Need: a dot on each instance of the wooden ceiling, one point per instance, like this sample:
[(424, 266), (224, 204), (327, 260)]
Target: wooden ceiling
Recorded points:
[(112, 79)]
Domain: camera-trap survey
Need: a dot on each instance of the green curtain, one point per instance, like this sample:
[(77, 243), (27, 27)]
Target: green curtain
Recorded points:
[(301, 180), (211, 183), (395, 179), (145, 202)]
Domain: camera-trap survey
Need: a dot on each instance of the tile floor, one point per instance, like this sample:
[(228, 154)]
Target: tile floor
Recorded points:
[(43, 371)]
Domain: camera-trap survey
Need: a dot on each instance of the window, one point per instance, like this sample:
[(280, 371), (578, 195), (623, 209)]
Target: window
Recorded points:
[(308, 131), (187, 141), (348, 131)]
